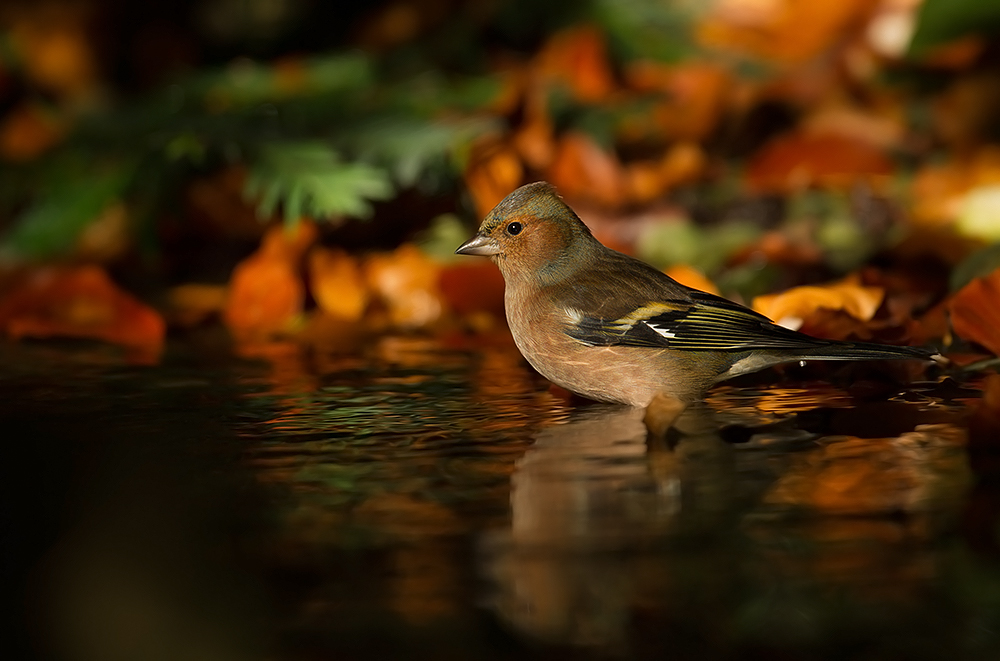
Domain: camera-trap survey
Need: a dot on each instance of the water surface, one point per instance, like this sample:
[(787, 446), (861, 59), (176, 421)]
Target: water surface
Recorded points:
[(433, 499)]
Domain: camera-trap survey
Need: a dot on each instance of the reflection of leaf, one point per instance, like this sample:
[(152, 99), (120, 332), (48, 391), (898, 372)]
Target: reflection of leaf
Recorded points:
[(309, 179), (53, 222), (939, 21)]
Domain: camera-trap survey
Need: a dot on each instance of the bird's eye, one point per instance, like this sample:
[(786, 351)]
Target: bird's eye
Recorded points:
[(514, 229)]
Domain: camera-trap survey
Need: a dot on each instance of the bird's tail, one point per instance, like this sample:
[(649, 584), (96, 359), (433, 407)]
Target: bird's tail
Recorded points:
[(866, 351)]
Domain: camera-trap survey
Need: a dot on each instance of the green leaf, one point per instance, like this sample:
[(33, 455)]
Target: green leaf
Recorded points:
[(940, 21), (980, 263), (309, 179), (52, 224), (410, 146)]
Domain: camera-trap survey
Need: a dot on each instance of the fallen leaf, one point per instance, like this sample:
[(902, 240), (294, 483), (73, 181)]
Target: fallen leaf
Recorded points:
[(535, 138), (406, 282), (577, 56), (192, 304), (585, 172), (494, 171), (28, 131), (80, 302), (476, 287), (939, 190), (337, 283), (695, 95), (692, 277), (788, 31), (800, 160), (975, 311), (266, 292), (792, 307), (55, 51)]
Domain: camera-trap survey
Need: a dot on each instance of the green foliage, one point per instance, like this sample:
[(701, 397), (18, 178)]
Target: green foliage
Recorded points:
[(322, 137), (980, 263), (310, 179), (51, 224), (643, 29), (940, 21)]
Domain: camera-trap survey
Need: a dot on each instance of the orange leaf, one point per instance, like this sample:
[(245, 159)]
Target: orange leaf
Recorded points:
[(695, 94), (975, 311), (691, 277), (494, 171), (27, 132), (266, 293), (790, 308), (192, 304), (577, 57), (80, 302), (473, 288), (582, 170), (793, 162), (406, 281), (784, 30), (337, 283)]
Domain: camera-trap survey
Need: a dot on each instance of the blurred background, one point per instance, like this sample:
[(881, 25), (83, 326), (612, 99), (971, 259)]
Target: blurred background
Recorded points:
[(747, 145)]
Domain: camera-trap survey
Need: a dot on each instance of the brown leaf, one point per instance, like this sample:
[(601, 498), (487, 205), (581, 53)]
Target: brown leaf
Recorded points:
[(583, 171), (975, 311), (695, 96), (472, 288), (337, 283), (27, 132), (691, 277), (494, 171), (80, 302), (406, 282), (192, 304), (783, 30), (577, 56), (266, 292), (792, 307), (793, 162)]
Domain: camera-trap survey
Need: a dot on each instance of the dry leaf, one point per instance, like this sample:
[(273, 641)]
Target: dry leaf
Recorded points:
[(192, 304), (792, 307), (494, 171), (476, 287), (691, 277), (406, 281), (583, 171), (27, 132), (793, 162), (696, 94), (80, 302), (266, 292), (577, 57), (53, 47), (337, 283), (975, 311), (789, 31)]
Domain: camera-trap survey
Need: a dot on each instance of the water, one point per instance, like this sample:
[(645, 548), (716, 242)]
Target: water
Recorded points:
[(431, 499)]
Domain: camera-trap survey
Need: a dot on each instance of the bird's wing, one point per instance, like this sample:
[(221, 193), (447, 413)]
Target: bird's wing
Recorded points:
[(703, 322)]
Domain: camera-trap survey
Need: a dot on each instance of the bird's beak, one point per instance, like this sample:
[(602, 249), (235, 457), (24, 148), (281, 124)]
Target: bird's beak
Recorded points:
[(478, 245)]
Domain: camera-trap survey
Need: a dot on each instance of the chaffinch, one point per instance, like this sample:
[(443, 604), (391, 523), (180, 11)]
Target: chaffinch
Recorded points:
[(612, 328)]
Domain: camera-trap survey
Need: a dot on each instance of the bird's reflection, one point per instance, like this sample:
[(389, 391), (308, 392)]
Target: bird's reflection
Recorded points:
[(610, 525), (590, 502)]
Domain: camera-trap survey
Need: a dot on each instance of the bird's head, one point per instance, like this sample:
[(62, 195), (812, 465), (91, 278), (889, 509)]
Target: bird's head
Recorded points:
[(531, 231)]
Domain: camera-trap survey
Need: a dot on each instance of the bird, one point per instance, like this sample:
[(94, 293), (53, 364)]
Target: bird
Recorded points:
[(613, 328)]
